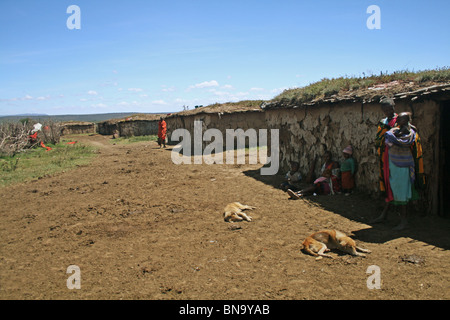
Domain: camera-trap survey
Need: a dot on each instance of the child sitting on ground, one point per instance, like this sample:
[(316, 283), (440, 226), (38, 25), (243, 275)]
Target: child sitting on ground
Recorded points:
[(348, 171), (292, 178), (325, 185)]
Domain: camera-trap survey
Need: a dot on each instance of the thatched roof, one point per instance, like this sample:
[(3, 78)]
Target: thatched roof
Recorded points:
[(77, 123), (395, 89), (229, 107), (137, 117)]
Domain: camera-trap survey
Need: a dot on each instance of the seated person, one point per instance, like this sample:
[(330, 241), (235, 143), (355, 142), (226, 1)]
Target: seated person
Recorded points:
[(330, 164), (325, 185), (292, 178)]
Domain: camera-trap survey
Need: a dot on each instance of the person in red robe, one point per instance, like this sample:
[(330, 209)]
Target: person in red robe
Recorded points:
[(162, 131)]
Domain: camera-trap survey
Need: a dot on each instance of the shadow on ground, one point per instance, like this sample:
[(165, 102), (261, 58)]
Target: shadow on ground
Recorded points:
[(361, 207)]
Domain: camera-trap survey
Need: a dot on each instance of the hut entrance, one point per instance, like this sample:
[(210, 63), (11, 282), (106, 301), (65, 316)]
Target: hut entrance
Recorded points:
[(445, 160)]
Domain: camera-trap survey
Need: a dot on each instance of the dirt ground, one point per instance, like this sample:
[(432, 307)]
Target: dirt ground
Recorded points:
[(140, 227)]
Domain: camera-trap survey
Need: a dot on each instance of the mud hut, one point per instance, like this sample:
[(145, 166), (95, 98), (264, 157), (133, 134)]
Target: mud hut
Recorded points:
[(136, 125), (331, 122), (77, 128)]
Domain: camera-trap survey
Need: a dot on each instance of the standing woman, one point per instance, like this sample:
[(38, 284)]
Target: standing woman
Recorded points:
[(386, 124), (403, 169), (162, 131)]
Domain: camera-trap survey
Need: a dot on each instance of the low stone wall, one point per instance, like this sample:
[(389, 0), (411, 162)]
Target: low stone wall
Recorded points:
[(128, 128), (222, 121), (107, 128), (138, 128), (78, 128)]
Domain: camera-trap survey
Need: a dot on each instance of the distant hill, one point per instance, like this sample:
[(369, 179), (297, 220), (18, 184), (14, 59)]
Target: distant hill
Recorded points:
[(74, 117)]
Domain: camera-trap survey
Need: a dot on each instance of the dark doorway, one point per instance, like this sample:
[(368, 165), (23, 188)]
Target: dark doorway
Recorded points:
[(445, 160)]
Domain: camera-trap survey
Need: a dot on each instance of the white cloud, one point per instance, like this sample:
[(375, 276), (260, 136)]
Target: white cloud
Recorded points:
[(27, 97), (143, 95), (123, 103), (227, 86), (206, 84), (43, 98), (92, 93), (256, 89), (99, 105), (278, 90), (220, 93), (241, 94), (135, 89), (159, 102), (229, 96), (170, 89)]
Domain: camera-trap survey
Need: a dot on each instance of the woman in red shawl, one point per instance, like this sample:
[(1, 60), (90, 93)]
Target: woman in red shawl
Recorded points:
[(386, 124), (162, 131)]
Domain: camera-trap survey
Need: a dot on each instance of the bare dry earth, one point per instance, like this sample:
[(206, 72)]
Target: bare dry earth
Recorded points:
[(140, 227)]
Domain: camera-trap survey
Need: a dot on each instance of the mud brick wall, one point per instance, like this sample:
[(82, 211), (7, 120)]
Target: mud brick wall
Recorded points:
[(222, 121), (129, 128), (107, 128), (138, 128), (306, 133), (78, 128)]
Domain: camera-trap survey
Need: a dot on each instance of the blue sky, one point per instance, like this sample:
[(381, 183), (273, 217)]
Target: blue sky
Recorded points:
[(156, 56)]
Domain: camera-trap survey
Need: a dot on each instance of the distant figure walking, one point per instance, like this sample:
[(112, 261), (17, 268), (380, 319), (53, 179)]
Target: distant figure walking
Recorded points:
[(162, 131)]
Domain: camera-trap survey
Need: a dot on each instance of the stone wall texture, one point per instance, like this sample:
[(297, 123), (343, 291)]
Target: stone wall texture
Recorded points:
[(77, 128), (306, 133), (129, 128)]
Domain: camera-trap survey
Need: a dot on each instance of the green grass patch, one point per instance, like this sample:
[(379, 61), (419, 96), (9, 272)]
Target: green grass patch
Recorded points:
[(39, 162), (133, 139)]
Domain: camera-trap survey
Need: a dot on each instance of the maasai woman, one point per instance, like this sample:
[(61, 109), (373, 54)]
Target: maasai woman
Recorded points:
[(403, 168), (162, 131), (386, 124)]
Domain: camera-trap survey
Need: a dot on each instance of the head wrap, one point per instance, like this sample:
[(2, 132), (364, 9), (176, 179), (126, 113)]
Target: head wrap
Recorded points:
[(348, 150)]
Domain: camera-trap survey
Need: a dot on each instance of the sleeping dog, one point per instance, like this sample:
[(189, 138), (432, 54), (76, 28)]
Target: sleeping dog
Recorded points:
[(320, 242), (234, 212)]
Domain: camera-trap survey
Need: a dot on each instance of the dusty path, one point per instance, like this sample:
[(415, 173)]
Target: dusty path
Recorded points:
[(140, 227)]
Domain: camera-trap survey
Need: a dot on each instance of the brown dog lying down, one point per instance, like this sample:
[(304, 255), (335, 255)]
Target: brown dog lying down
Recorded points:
[(322, 241), (234, 212)]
